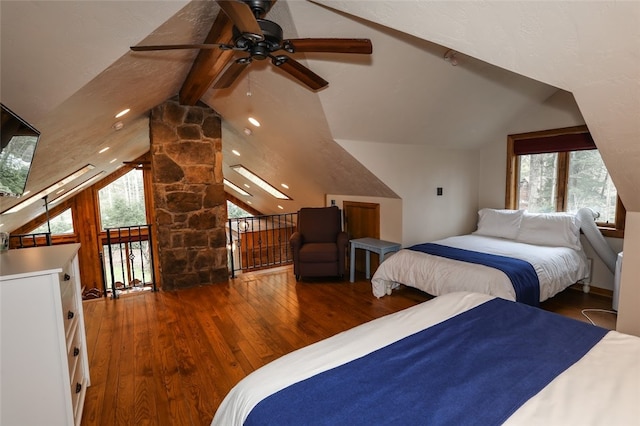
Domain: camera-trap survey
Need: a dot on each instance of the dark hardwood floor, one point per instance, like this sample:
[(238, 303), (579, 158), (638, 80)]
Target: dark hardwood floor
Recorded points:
[(168, 358)]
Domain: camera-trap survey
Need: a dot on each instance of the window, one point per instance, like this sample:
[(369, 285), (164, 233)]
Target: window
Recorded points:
[(234, 211), (122, 202), (562, 170), (60, 224)]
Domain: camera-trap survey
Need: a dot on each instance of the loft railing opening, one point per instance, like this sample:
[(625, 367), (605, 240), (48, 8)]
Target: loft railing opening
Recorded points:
[(128, 260), (259, 242)]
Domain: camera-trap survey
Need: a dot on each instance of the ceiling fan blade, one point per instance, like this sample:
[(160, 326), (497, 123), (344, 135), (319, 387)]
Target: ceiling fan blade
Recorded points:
[(332, 45), (231, 74), (300, 72), (242, 17), (181, 46)]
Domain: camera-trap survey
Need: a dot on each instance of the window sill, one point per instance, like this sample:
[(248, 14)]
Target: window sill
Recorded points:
[(611, 232)]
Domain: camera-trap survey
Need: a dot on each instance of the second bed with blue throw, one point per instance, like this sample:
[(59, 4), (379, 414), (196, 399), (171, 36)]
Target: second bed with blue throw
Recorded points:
[(462, 358), (556, 269)]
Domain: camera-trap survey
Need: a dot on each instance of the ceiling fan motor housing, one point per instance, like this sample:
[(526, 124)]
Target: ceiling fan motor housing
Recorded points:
[(261, 49), (259, 7)]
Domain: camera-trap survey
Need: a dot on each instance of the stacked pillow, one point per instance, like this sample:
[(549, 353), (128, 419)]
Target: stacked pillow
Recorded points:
[(543, 229)]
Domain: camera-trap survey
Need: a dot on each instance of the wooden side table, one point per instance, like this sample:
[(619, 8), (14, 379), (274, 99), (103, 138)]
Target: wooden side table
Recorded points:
[(369, 245)]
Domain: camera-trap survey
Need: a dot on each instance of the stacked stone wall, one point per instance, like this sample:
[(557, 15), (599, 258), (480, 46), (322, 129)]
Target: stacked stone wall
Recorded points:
[(188, 193)]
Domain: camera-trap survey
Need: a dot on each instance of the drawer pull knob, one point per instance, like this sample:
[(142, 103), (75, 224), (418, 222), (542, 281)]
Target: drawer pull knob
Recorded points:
[(76, 351), (78, 387), (70, 315), (67, 277)]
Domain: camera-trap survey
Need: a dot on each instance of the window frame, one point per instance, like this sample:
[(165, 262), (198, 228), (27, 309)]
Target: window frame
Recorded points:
[(565, 136)]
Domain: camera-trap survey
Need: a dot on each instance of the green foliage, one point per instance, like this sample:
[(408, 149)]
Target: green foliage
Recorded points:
[(588, 185), (122, 202), (120, 213), (538, 182), (235, 212), (60, 224)]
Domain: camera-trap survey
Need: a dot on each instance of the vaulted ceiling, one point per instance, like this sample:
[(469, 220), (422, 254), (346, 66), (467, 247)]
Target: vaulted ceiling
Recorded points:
[(67, 69)]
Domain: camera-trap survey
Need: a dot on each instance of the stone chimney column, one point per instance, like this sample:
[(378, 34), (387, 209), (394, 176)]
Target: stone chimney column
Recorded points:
[(188, 193)]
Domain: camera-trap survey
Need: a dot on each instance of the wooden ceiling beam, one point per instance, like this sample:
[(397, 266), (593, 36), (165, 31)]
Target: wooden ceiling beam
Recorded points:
[(209, 63)]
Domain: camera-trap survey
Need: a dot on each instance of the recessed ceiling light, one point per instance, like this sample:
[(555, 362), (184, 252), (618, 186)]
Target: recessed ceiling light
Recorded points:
[(123, 112), (105, 149), (235, 152), (113, 161), (118, 125), (247, 131), (254, 122), (284, 185), (249, 202), (280, 207), (247, 185)]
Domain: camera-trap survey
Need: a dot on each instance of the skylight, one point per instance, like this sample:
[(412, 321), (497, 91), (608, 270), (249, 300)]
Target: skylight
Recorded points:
[(236, 188), (55, 187), (248, 174)]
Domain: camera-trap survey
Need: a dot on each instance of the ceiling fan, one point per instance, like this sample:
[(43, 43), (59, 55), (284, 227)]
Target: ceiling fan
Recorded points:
[(259, 39)]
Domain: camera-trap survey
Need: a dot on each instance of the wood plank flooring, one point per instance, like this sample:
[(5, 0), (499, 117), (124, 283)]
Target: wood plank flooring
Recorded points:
[(168, 358)]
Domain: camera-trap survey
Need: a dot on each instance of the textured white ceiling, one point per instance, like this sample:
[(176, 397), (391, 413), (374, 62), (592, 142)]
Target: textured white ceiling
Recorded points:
[(69, 70), (588, 48)]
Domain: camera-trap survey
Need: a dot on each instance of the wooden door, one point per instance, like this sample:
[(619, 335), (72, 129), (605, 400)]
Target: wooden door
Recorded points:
[(362, 220)]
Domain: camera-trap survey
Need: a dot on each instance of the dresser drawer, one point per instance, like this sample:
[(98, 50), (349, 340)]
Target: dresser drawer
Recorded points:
[(74, 354), (78, 384), (69, 316)]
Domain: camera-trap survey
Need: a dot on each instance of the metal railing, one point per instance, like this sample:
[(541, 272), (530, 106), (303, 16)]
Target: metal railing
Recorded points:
[(258, 242), (30, 240), (128, 263)]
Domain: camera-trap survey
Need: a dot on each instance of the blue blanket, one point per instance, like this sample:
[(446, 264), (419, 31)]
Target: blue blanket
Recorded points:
[(522, 274), (476, 368)]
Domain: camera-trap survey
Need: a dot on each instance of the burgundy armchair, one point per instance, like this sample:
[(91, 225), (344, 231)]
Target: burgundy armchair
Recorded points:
[(319, 245)]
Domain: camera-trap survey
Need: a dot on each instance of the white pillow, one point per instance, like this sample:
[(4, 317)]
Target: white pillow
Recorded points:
[(550, 229), (499, 223)]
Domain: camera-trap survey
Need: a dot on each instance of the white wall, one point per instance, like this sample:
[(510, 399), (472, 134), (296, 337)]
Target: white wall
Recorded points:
[(601, 276), (414, 172), (583, 47), (560, 110), (629, 300)]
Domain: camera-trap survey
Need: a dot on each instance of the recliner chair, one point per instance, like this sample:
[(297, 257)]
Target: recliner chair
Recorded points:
[(319, 245)]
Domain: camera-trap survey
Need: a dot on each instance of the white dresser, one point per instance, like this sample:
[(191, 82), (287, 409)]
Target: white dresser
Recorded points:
[(44, 367)]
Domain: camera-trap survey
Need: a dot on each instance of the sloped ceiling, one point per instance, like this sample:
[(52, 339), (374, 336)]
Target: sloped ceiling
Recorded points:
[(587, 48), (66, 68)]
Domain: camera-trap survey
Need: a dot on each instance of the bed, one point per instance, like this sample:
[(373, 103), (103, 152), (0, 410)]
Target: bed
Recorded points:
[(549, 243), (455, 359)]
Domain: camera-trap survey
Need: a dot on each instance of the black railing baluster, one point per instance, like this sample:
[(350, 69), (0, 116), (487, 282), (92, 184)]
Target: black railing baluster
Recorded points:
[(125, 240), (262, 241)]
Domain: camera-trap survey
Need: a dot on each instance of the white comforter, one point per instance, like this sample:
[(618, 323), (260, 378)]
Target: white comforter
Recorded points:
[(556, 267), (600, 389)]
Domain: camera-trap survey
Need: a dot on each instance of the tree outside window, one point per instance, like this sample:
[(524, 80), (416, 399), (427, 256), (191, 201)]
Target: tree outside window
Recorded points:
[(562, 171), (122, 202), (60, 224)]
